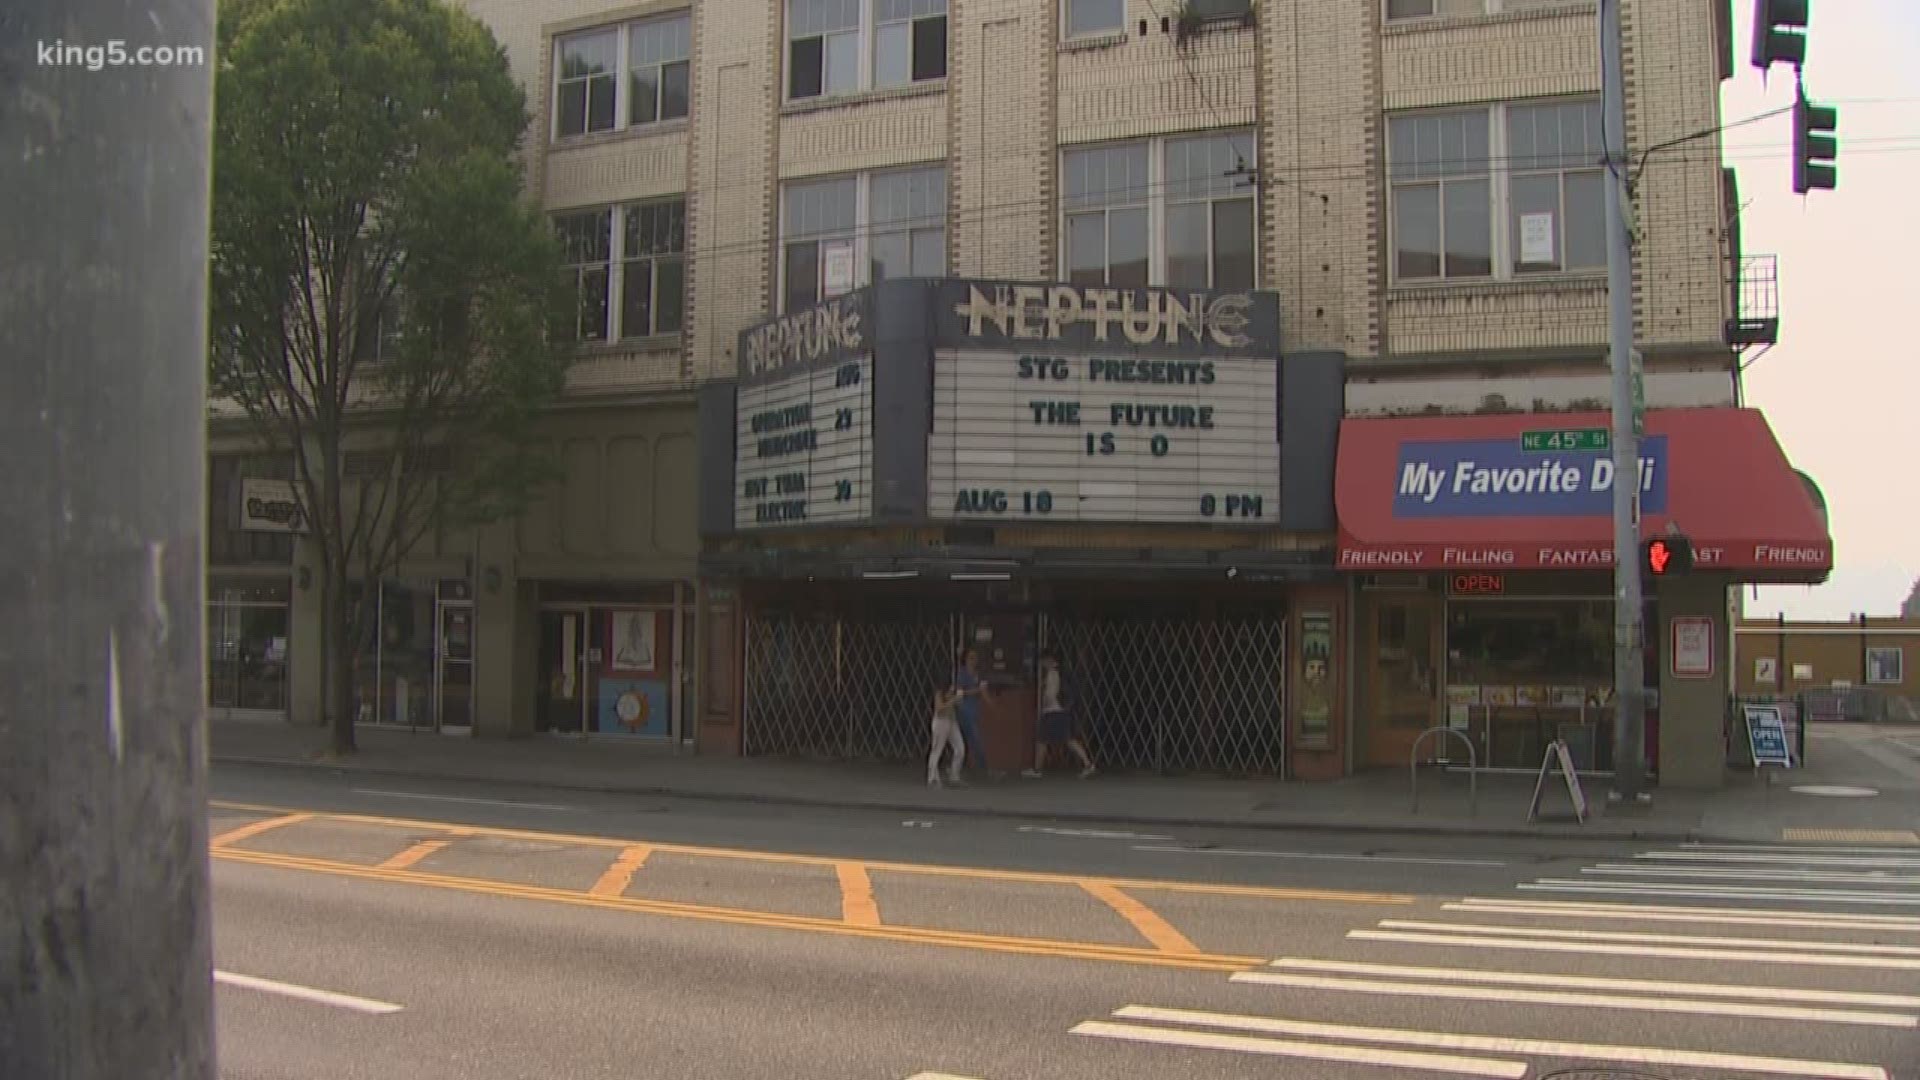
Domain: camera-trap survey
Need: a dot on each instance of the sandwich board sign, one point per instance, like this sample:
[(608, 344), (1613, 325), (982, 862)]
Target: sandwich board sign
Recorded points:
[(1767, 736), (1557, 755)]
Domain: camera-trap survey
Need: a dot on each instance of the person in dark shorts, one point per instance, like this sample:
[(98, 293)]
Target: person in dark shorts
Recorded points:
[(1056, 722)]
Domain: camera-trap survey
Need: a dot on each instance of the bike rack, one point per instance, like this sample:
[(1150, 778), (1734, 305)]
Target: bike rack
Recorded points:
[(1473, 767)]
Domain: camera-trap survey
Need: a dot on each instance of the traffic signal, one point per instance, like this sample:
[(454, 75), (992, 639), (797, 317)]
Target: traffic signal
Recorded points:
[(1814, 145), (1779, 33), (1665, 556)]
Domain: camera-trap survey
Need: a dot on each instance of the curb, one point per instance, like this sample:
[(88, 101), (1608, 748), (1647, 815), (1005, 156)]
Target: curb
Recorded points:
[(1656, 836)]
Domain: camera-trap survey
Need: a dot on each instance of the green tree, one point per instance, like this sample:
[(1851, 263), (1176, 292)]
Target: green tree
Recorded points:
[(386, 306)]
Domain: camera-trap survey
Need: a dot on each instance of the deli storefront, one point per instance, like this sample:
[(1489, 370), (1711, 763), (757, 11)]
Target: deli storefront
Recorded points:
[(1482, 562)]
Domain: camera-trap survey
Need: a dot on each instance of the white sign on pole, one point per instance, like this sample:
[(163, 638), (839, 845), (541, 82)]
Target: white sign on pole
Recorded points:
[(1103, 438), (1692, 647)]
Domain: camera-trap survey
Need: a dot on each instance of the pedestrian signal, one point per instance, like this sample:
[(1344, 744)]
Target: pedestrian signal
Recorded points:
[(1664, 556)]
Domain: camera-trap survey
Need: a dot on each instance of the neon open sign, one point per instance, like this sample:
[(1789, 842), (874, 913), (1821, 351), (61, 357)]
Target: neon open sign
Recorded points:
[(1477, 584)]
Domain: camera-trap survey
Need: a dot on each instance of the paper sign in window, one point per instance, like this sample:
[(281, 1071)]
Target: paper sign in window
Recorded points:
[(1536, 239), (836, 270)]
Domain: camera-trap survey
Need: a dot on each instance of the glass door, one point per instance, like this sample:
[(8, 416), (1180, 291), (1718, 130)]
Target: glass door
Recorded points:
[(563, 671), (1401, 682), (453, 690)]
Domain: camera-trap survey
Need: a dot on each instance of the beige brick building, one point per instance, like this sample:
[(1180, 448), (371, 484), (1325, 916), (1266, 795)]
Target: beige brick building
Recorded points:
[(1415, 180)]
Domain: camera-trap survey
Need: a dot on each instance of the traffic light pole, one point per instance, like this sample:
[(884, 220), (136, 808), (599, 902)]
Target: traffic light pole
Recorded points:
[(105, 956), (1628, 632)]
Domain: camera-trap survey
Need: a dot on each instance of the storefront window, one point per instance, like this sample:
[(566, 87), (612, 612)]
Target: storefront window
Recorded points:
[(247, 623), (1522, 673)]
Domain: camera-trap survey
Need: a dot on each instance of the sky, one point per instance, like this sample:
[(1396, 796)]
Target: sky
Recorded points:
[(1842, 387)]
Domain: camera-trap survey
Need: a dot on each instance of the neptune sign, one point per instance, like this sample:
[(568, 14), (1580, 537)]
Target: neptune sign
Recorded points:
[(1496, 478)]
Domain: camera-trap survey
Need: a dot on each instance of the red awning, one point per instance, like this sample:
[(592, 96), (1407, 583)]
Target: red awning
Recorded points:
[(1460, 492)]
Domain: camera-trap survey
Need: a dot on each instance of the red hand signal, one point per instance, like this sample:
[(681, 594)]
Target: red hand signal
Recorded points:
[(1657, 556)]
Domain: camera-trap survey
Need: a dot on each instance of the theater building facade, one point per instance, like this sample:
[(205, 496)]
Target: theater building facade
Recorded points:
[(1140, 479)]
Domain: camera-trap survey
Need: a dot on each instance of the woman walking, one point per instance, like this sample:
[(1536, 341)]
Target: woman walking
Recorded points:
[(946, 734)]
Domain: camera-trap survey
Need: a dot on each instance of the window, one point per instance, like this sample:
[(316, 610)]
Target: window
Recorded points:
[(1458, 214), (893, 224), (1176, 212), (585, 83), (1555, 214), (1424, 9), (1084, 17), (380, 335), (589, 94), (658, 69), (653, 268), (586, 240), (908, 215), (636, 253), (826, 56)]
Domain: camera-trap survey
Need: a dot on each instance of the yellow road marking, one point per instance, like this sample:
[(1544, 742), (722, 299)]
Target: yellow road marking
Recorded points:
[(234, 836), (978, 873), (1852, 836), (614, 882), (414, 854), (771, 920), (1143, 918), (856, 895)]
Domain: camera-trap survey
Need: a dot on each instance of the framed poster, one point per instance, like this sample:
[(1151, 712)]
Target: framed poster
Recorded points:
[(1692, 651), (1884, 666), (1766, 669), (1317, 682), (632, 636)]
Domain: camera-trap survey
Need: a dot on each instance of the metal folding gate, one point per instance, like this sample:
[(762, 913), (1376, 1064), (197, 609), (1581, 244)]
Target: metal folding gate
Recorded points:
[(1171, 692), (1166, 692), (853, 686)]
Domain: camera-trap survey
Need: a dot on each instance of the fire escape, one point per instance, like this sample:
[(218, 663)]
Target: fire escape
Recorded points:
[(1756, 302)]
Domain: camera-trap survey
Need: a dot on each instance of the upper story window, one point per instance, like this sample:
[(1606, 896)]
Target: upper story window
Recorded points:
[(840, 233), (1427, 9), (1497, 192), (1082, 18), (1175, 212), (627, 266), (379, 339), (590, 95), (828, 51)]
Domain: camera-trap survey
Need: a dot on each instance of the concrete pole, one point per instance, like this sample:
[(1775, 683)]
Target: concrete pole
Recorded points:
[(105, 958), (1629, 755)]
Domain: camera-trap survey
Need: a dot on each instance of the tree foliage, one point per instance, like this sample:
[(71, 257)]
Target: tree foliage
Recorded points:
[(366, 179)]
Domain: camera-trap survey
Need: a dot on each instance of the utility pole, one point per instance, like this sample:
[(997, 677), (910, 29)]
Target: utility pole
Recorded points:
[(105, 957), (1629, 633)]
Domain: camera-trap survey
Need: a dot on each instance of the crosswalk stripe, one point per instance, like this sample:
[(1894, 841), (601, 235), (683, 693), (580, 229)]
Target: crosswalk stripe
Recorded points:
[(1654, 939), (1655, 913), (1714, 892), (1834, 877), (1643, 1055), (1810, 849), (1528, 978), (1598, 948), (1779, 857), (1693, 1006), (1360, 1055), (1874, 918)]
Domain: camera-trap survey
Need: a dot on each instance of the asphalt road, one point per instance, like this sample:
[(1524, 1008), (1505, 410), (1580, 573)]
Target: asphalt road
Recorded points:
[(492, 933)]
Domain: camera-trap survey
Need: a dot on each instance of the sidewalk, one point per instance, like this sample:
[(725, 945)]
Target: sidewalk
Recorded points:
[(1748, 809)]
